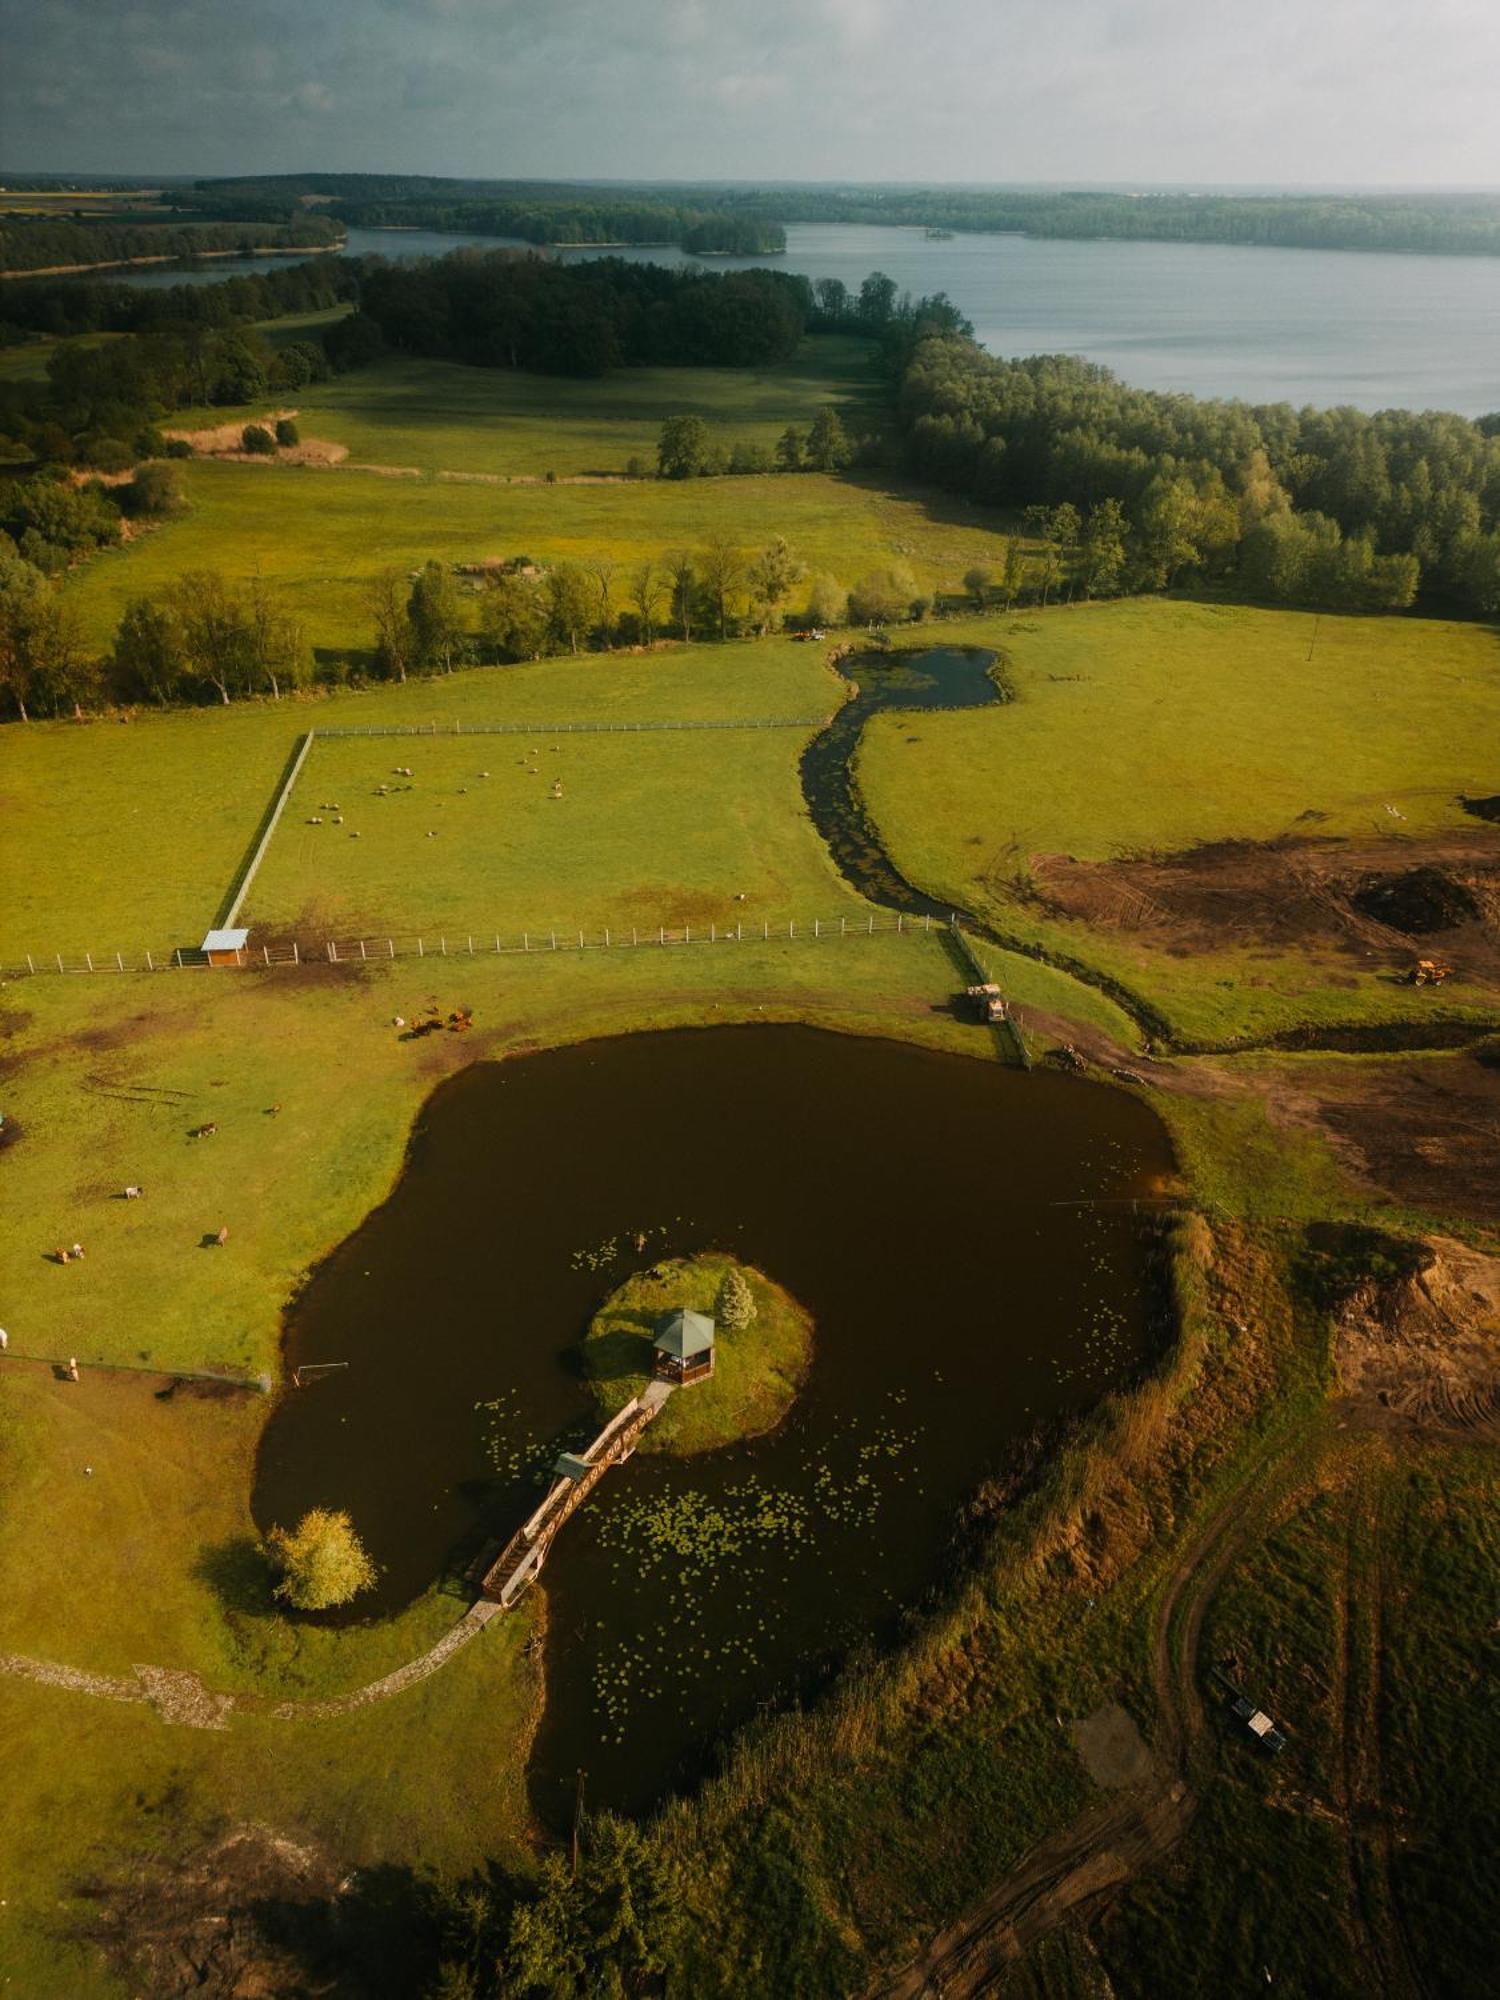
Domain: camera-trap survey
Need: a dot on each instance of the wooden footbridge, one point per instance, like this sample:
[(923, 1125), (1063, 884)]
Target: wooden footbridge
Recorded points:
[(503, 1573)]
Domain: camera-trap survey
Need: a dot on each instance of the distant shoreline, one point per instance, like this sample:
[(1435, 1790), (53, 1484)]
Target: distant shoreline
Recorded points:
[(197, 257)]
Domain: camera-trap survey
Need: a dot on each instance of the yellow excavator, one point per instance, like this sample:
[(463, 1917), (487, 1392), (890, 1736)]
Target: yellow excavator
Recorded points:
[(1427, 972)]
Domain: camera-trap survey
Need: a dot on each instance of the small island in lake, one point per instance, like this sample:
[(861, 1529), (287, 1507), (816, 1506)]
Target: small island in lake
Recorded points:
[(759, 1363)]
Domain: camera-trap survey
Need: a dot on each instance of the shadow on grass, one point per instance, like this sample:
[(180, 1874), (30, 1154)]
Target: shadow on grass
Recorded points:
[(239, 1574), (625, 1350)]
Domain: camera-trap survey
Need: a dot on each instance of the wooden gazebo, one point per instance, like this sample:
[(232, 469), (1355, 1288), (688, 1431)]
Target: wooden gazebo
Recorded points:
[(685, 1348)]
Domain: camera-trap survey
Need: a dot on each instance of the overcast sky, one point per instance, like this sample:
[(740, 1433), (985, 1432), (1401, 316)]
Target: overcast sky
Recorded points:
[(1375, 92)]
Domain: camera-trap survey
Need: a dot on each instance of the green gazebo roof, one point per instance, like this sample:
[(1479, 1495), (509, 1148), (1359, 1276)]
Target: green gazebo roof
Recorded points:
[(684, 1334)]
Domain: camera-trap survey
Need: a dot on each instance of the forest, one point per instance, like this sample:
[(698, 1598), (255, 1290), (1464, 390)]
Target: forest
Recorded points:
[(38, 243), (1333, 508)]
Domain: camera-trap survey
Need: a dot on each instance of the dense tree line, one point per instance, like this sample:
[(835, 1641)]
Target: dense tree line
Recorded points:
[(58, 307), (1450, 224), (36, 243), (1326, 507), (502, 309)]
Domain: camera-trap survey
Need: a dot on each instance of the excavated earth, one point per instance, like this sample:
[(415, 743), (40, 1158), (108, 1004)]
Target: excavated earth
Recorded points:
[(1337, 899), (1422, 1352)]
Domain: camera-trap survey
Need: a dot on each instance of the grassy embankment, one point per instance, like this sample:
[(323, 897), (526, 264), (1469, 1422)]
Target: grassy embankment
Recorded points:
[(1149, 727), (757, 1369)]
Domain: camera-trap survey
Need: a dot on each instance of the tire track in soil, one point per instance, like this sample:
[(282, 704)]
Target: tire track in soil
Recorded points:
[(1079, 1870)]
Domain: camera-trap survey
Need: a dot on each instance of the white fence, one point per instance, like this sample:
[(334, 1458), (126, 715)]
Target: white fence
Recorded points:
[(468, 944)]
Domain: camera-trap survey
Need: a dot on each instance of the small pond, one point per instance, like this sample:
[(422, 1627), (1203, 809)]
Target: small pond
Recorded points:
[(962, 1234)]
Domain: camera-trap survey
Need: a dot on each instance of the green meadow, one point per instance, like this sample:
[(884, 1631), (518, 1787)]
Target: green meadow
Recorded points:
[(443, 417), (129, 835), (1147, 727), (319, 536)]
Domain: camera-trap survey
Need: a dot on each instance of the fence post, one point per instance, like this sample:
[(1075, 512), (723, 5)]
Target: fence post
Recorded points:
[(471, 947), (872, 923), (580, 940), (150, 967), (390, 947), (687, 933), (60, 963), (900, 921), (817, 928), (634, 938), (554, 940), (765, 928), (442, 941), (119, 962), (265, 952), (791, 929), (333, 952), (88, 959), (606, 937), (927, 922), (497, 943), (526, 940), (296, 955), (841, 926), (420, 952), (661, 935)]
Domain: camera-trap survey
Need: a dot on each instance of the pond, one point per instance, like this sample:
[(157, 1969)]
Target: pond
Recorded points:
[(962, 1234), (936, 677)]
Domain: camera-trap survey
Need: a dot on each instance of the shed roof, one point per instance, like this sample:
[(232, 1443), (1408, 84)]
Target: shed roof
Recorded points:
[(570, 1466), (225, 941), (684, 1334)]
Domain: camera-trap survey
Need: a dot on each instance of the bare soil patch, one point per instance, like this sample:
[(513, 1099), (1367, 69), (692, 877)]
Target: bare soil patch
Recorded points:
[(1423, 1352), (1423, 1130), (236, 1918), (1343, 899), (225, 441), (1113, 1750)]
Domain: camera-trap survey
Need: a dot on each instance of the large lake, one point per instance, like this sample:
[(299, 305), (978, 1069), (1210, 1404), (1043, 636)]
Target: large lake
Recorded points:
[(1297, 326)]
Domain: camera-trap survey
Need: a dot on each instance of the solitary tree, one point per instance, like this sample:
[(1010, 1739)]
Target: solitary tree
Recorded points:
[(322, 1561), (287, 433), (148, 655), (256, 438), (436, 617), (736, 1304), (647, 588), (789, 449), (602, 570), (216, 634), (827, 601), (682, 569), (827, 443), (682, 449), (394, 639), (978, 581), (721, 568), (281, 649), (570, 603), (1015, 570), (772, 575)]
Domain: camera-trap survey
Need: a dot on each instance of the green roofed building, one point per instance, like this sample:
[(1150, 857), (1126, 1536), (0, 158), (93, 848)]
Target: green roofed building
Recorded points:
[(685, 1347)]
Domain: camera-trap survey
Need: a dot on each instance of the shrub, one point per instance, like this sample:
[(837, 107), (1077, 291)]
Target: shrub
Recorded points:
[(105, 454), (256, 438), (287, 432), (177, 448), (156, 489), (322, 1561), (736, 1303)]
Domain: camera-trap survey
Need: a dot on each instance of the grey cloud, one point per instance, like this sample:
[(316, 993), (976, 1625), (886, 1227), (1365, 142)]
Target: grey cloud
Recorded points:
[(1204, 91)]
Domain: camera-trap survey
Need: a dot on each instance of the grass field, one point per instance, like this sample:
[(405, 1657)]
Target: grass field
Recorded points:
[(443, 417), (320, 536), (1149, 727), (690, 828), (129, 836)]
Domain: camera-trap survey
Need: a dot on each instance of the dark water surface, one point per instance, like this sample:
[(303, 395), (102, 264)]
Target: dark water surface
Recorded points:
[(931, 1211), (938, 677), (1373, 329)]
